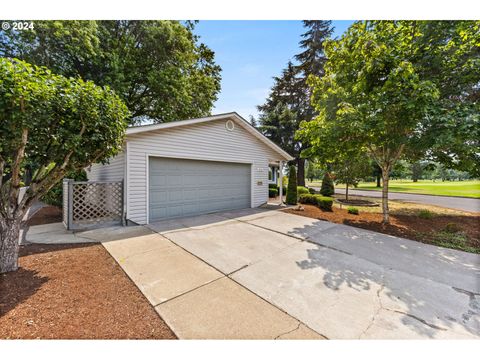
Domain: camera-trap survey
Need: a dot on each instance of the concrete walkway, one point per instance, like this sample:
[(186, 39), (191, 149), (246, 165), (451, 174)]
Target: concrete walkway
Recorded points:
[(451, 202), (196, 300)]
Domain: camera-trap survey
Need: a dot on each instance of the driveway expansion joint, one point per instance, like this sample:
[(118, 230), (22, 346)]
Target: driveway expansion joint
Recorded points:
[(288, 332), (188, 291)]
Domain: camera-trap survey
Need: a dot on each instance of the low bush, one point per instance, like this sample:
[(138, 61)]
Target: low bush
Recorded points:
[(425, 214), (352, 210), (302, 190), (323, 202), (55, 195), (311, 190), (452, 228), (272, 192), (307, 199), (273, 186), (456, 240)]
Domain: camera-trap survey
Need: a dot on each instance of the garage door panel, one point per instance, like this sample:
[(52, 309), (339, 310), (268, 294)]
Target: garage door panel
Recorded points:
[(179, 187)]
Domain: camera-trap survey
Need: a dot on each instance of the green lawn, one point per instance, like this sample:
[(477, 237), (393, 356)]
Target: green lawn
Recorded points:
[(469, 188)]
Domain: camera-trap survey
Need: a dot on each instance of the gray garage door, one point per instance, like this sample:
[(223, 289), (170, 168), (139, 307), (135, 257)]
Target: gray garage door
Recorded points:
[(180, 187)]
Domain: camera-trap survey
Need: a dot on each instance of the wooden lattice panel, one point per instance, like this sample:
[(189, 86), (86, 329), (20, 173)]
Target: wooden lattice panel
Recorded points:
[(95, 203)]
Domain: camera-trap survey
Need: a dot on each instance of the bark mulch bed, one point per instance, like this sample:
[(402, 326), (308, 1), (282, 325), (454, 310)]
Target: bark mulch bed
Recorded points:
[(46, 215), (74, 292), (408, 226)]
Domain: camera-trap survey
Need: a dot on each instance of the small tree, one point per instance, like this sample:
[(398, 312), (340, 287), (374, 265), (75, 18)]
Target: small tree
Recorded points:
[(327, 188), (351, 170), (57, 124), (292, 186)]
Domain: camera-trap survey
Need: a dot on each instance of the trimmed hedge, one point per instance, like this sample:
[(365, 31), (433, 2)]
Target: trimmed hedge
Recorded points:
[(311, 190), (323, 202), (272, 192), (273, 186), (302, 190)]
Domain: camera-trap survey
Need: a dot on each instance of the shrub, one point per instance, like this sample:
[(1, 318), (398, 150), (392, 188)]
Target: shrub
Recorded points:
[(302, 190), (273, 186), (452, 228), (292, 187), (457, 240), (272, 192), (307, 199), (425, 214), (54, 195), (352, 210), (327, 188), (323, 202), (311, 190)]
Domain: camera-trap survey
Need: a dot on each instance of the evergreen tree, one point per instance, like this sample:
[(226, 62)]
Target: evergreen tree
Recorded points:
[(312, 59), (289, 101), (292, 186), (327, 188)]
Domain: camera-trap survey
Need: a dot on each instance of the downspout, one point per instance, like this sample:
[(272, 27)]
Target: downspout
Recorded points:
[(280, 190)]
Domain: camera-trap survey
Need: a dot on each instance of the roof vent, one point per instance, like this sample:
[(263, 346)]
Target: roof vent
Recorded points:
[(229, 125)]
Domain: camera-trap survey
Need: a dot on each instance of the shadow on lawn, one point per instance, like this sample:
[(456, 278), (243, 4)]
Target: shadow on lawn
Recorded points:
[(404, 277)]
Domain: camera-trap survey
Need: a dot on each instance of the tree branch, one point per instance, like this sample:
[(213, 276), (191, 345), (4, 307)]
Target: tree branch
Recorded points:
[(15, 179)]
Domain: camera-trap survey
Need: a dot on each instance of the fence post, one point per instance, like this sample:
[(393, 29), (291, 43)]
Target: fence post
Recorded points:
[(123, 203), (70, 204)]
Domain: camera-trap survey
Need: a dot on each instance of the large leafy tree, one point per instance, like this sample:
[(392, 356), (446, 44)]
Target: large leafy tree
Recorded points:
[(158, 68), (401, 88), (448, 54), (371, 97), (61, 125), (290, 90)]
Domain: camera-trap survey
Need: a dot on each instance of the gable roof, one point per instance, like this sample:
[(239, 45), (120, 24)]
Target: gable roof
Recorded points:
[(230, 116)]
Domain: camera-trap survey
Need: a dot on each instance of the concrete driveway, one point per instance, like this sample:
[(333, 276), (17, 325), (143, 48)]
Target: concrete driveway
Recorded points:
[(341, 282)]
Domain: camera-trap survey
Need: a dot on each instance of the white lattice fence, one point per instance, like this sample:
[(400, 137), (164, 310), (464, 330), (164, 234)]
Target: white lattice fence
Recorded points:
[(94, 204)]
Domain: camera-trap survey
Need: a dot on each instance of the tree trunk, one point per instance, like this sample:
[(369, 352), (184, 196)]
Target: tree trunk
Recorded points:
[(378, 181), (346, 191), (300, 172), (385, 178), (9, 244)]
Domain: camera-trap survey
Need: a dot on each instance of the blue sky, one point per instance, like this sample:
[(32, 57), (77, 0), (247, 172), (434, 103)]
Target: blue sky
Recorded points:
[(250, 54)]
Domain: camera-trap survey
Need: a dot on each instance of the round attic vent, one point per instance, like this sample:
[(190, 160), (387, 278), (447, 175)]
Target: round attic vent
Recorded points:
[(230, 125)]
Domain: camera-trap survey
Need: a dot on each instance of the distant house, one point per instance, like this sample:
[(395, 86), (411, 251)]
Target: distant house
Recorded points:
[(192, 167)]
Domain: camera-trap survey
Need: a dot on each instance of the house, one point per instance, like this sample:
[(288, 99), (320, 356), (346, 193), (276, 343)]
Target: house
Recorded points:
[(192, 167)]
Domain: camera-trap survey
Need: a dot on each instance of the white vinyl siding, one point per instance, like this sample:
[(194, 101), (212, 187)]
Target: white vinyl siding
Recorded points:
[(203, 141), (113, 171)]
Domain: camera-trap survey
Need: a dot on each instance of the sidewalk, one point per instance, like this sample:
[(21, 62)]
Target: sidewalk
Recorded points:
[(196, 300)]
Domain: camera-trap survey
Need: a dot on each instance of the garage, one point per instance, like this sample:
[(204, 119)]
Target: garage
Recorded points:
[(183, 187), (190, 167)]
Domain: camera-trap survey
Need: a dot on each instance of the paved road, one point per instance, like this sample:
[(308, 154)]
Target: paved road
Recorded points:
[(340, 281), (466, 204)]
